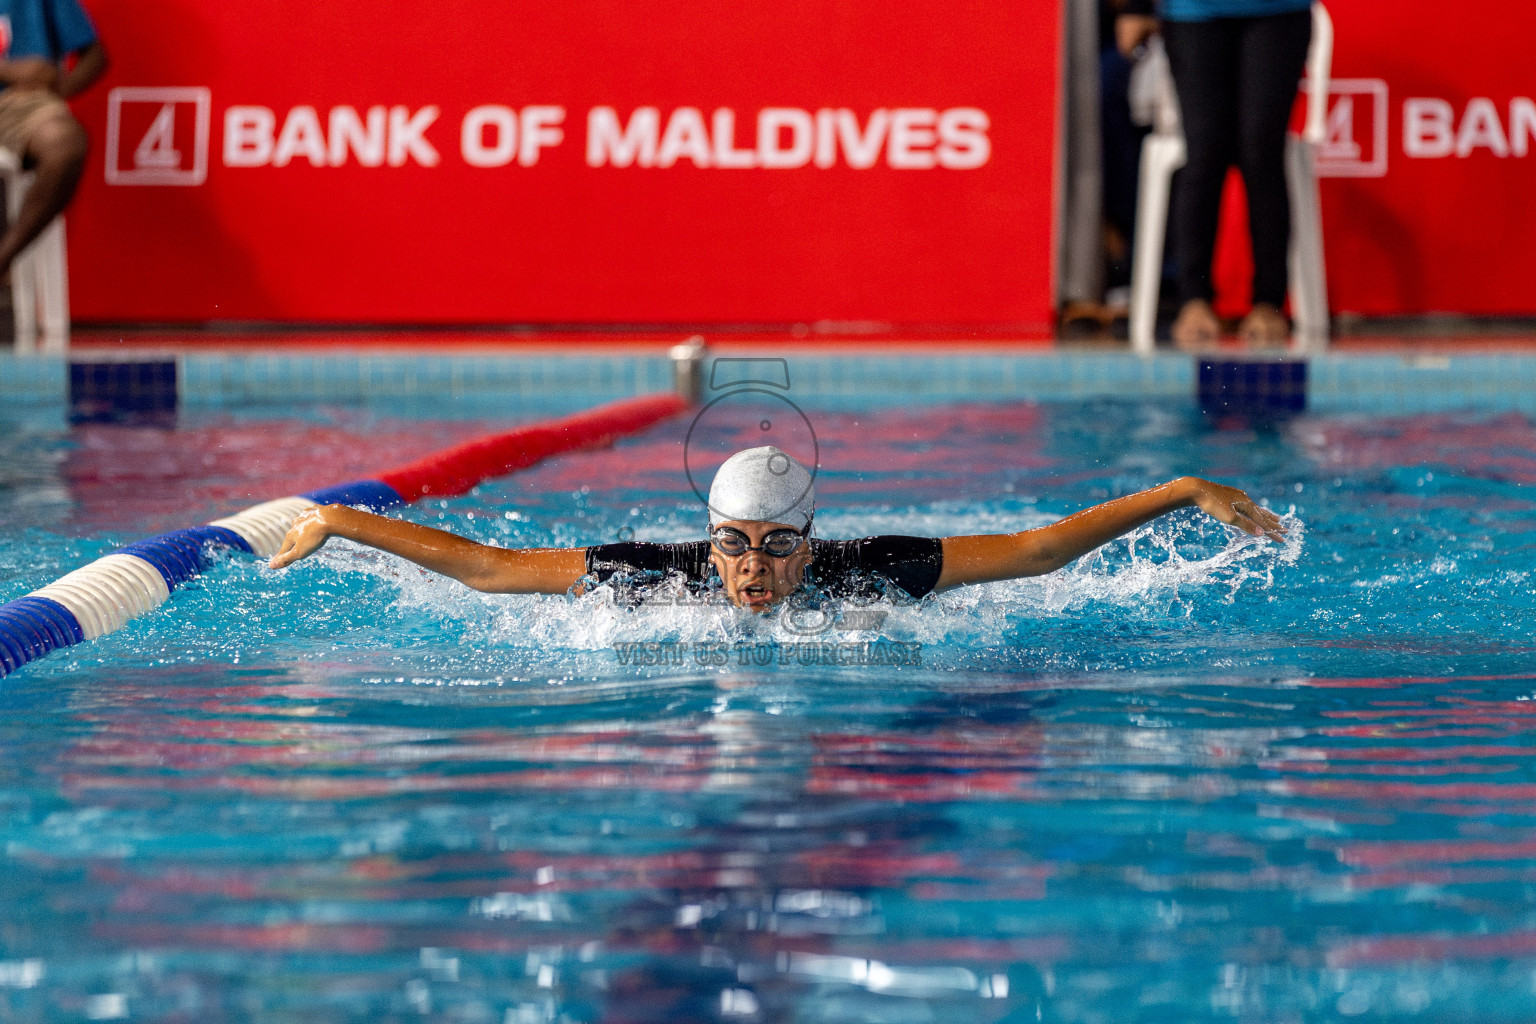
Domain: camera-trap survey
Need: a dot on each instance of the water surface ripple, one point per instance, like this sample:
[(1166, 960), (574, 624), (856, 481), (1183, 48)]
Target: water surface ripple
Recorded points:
[(1193, 778)]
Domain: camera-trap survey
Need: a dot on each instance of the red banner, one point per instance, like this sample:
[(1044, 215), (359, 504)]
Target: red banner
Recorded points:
[(596, 161), (1430, 157)]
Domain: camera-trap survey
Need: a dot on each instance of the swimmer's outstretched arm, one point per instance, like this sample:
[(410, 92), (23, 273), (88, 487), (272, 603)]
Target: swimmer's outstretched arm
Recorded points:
[(493, 570), (1006, 556)]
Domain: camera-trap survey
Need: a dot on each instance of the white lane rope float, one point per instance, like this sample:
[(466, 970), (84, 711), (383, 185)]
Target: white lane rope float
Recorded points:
[(103, 596)]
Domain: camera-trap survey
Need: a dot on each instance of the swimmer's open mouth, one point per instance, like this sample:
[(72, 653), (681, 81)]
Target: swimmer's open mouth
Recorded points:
[(755, 593)]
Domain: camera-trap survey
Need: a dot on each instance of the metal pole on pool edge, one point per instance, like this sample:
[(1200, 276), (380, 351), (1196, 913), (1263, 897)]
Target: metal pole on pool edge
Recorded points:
[(688, 368)]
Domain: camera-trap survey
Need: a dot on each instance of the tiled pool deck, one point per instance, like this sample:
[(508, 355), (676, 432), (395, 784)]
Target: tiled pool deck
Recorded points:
[(1410, 380)]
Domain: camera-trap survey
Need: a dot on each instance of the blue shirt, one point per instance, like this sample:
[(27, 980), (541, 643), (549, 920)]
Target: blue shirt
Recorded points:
[(1206, 10), (44, 28)]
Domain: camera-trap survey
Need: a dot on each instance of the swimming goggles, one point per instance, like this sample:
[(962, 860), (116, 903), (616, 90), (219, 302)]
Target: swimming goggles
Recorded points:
[(778, 544)]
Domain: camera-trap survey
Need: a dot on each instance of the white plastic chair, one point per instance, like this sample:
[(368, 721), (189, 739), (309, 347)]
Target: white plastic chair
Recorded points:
[(39, 276), (1163, 153)]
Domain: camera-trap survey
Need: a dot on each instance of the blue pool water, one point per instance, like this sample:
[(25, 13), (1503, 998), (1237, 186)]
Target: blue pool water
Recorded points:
[(1193, 778)]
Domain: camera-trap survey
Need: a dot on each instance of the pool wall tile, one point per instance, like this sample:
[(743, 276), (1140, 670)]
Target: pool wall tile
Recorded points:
[(34, 380), (1377, 383), (1044, 377), (215, 380), (1405, 384)]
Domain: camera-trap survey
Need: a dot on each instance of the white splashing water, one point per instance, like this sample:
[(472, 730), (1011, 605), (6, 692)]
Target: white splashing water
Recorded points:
[(1149, 574), (1159, 571)]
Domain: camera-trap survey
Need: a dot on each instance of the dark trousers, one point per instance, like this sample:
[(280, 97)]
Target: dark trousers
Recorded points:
[(1236, 79)]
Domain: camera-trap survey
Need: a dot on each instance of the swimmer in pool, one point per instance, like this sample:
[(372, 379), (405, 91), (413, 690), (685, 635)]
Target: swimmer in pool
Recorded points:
[(760, 549)]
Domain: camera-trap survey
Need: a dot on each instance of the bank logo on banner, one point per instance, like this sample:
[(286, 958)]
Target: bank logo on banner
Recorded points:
[(158, 136), (1356, 143)]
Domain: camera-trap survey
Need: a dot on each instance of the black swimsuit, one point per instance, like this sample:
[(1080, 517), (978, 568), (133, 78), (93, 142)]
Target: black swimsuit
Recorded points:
[(842, 568)]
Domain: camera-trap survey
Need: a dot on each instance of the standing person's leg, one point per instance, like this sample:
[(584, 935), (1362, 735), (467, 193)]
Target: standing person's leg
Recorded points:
[(1203, 56), (1272, 51)]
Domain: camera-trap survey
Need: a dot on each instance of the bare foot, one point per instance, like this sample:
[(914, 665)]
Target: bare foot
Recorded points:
[(1264, 327), (1197, 326)]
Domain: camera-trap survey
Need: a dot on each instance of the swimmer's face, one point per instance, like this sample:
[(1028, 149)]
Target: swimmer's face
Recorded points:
[(755, 579)]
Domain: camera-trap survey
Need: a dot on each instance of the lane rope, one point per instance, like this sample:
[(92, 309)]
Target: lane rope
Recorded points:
[(134, 580)]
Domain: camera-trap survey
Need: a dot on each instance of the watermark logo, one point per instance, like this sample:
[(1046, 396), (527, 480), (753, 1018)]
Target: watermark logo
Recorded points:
[(752, 409), (804, 615), (761, 654), (157, 136)]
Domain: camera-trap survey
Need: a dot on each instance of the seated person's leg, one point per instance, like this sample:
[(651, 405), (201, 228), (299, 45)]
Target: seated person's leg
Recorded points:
[(54, 151)]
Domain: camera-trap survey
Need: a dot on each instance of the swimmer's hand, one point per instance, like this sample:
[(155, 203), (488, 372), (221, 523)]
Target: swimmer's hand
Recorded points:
[(307, 535), (1235, 508)]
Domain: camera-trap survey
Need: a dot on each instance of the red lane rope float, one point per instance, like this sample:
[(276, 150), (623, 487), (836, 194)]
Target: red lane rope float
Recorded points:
[(456, 470)]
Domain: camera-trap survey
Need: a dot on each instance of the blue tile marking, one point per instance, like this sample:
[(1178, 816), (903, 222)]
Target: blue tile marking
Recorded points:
[(108, 392), (30, 627), (1252, 386), (373, 495), (179, 555)]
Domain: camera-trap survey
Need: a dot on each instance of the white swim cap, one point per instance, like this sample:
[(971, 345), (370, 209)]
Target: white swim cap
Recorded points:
[(763, 485)]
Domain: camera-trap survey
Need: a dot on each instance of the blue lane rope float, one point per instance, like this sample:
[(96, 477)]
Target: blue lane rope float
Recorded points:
[(101, 597)]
